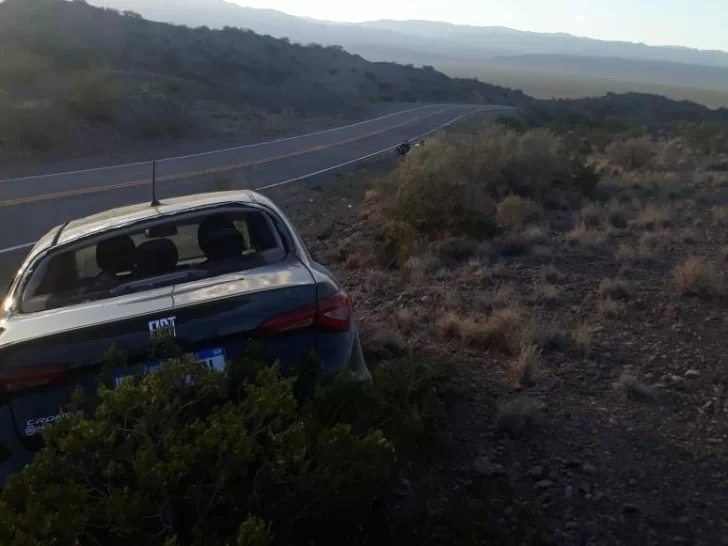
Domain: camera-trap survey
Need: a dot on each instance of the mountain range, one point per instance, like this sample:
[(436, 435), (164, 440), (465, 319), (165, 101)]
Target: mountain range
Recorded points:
[(457, 49)]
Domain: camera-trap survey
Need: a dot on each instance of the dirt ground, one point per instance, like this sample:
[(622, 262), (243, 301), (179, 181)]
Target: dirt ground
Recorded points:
[(613, 429)]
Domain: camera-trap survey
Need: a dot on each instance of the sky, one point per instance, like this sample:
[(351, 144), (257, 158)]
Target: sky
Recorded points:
[(699, 24)]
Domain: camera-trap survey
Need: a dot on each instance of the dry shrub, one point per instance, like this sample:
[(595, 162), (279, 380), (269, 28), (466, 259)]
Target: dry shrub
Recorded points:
[(610, 309), (380, 343), (453, 184), (515, 211), (449, 327), (406, 320), (582, 236), (417, 269), (545, 292), (653, 245), (615, 289), (394, 243), (504, 295), (626, 253), (550, 274), (652, 218), (503, 330), (720, 215), (475, 270), (630, 154), (582, 336), (528, 365), (519, 415), (634, 389), (697, 277), (671, 154), (591, 216), (617, 215)]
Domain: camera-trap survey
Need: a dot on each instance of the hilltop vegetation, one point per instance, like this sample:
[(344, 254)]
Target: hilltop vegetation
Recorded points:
[(72, 70)]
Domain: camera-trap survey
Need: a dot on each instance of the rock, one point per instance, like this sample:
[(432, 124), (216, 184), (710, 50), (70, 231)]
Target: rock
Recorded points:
[(692, 374), (589, 469), (684, 520), (572, 525), (553, 475), (569, 492), (536, 472), (677, 539), (544, 484), (508, 512), (629, 508), (584, 488)]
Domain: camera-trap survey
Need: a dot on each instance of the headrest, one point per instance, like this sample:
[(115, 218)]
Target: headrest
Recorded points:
[(115, 255), (219, 239), (156, 257)]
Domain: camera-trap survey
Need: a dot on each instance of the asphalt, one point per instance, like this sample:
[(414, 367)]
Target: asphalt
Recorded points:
[(32, 205)]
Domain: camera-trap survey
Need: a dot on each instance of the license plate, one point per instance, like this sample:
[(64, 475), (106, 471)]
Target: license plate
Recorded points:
[(212, 358)]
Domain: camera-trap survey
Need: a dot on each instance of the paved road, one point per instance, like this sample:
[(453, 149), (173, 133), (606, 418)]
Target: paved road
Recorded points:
[(30, 206)]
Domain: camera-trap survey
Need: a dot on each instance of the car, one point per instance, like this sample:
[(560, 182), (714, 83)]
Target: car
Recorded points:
[(214, 271)]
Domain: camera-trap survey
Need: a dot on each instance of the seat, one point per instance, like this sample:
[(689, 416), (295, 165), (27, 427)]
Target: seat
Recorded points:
[(156, 257), (116, 255), (219, 239)]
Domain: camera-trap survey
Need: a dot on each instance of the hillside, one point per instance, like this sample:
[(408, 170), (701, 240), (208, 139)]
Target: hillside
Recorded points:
[(545, 64), (78, 78)]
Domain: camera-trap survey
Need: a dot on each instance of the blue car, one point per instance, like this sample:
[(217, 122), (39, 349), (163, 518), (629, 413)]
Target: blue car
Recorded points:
[(213, 271)]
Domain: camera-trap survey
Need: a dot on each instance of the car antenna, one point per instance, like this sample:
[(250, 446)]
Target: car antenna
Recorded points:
[(155, 201)]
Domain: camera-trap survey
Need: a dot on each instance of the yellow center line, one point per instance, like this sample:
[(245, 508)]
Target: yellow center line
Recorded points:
[(212, 170)]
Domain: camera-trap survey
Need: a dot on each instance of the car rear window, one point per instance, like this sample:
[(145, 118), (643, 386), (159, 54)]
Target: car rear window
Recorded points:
[(173, 251)]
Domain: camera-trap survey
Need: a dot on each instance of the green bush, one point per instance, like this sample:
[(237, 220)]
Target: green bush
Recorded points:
[(94, 95), (251, 457), (452, 185)]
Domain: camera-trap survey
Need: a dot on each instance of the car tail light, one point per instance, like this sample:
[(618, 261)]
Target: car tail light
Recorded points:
[(13, 381), (333, 313)]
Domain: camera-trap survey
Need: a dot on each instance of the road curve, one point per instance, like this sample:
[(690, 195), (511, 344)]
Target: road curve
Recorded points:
[(30, 206)]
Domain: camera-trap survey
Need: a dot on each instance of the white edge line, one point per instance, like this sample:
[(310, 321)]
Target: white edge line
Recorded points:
[(346, 164), (211, 152), (14, 248), (323, 171)]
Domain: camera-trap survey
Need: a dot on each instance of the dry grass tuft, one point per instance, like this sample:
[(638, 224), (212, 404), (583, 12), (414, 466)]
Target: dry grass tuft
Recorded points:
[(652, 218), (551, 274), (501, 331), (617, 215), (615, 289), (583, 338), (634, 389), (610, 309), (591, 216), (626, 253), (515, 211), (697, 277), (653, 245), (519, 415), (582, 236), (418, 269), (475, 270), (720, 215), (406, 320), (449, 327), (724, 253), (382, 343), (630, 154), (545, 292), (528, 365)]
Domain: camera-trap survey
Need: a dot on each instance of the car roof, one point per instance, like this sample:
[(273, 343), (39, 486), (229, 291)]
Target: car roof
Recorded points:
[(124, 216)]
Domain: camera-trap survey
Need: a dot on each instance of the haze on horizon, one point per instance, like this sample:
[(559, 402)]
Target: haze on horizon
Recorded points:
[(699, 24)]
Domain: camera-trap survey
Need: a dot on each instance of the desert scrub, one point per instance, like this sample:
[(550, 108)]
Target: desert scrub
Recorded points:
[(454, 185), (194, 456), (697, 277)]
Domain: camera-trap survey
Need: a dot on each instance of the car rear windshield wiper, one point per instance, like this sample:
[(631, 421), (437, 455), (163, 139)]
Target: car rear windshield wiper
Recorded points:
[(158, 282)]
